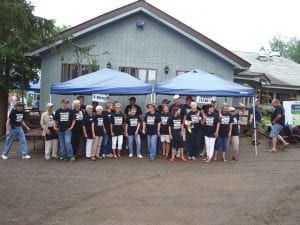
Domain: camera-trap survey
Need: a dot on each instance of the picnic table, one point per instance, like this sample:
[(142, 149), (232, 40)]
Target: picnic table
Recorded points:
[(35, 134)]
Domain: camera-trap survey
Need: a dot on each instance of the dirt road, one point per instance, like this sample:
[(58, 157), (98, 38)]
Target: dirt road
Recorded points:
[(255, 190)]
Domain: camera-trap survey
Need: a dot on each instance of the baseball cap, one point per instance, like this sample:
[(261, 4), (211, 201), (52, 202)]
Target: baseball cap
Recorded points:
[(176, 97), (189, 97), (49, 104), (64, 101), (165, 101), (231, 109)]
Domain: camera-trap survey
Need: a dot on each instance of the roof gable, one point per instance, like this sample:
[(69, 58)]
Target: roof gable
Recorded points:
[(281, 71), (159, 15)]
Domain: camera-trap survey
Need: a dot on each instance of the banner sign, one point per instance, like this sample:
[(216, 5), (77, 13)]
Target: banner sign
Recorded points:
[(100, 98), (205, 99)]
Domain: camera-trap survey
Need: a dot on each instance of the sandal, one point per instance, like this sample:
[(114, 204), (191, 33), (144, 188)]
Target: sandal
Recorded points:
[(235, 158), (271, 151), (224, 159)]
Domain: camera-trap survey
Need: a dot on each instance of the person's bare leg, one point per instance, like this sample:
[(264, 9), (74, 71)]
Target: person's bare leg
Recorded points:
[(274, 142), (282, 140), (167, 149)]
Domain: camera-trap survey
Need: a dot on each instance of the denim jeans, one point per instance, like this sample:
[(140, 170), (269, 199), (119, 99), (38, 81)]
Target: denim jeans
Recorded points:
[(137, 139), (222, 144), (107, 144), (152, 142), (17, 132), (65, 145)]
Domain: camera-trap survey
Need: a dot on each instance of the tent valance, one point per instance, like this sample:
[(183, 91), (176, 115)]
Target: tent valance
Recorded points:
[(103, 81), (200, 83)]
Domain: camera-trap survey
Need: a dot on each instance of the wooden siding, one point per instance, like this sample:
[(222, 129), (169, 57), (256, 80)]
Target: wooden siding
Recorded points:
[(152, 47)]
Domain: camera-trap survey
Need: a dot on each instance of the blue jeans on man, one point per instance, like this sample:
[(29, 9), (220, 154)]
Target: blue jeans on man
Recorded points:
[(65, 144), (14, 133), (152, 143), (106, 144), (137, 139)]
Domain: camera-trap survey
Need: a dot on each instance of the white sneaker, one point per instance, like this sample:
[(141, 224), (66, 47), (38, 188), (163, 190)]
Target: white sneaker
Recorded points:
[(4, 157), (193, 158), (103, 156), (130, 155), (139, 156), (190, 158), (110, 155), (26, 157)]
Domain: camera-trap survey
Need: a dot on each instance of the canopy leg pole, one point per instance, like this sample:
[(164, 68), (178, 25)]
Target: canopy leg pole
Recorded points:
[(254, 125)]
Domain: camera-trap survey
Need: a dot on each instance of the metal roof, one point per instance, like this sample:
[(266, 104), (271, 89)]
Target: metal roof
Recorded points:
[(282, 72)]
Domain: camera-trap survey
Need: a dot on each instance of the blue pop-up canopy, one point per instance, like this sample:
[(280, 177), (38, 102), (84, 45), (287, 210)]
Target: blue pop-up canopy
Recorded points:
[(200, 83), (104, 81)]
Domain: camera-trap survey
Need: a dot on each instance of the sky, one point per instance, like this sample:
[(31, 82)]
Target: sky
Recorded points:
[(243, 25)]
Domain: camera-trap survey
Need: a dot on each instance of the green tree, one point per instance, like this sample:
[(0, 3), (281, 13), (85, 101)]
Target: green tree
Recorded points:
[(288, 48), (20, 32)]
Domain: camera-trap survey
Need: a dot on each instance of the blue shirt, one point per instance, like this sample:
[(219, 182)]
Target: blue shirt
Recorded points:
[(258, 114)]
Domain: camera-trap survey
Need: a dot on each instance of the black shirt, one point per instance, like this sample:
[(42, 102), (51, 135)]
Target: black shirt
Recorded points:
[(164, 123), (117, 120), (187, 108), (87, 122), (99, 125), (225, 120), (196, 120), (128, 109), (64, 118), (79, 115), (132, 122), (106, 115), (16, 117), (152, 121), (235, 125), (175, 123), (181, 107), (211, 124), (278, 110)]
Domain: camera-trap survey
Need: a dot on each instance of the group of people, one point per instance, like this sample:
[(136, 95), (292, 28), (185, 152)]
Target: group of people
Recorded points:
[(172, 131)]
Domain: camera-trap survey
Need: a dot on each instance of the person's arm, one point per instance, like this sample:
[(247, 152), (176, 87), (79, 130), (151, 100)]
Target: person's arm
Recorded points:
[(278, 117), (25, 125), (170, 131), (230, 129), (43, 124), (93, 130), (84, 131), (138, 128), (126, 129), (182, 127), (158, 128), (8, 126), (217, 130)]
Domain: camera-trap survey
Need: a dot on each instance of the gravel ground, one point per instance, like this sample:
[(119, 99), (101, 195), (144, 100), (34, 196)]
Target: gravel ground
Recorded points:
[(254, 190)]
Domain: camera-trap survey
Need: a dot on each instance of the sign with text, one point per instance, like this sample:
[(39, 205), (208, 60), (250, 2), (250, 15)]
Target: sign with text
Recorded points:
[(205, 99), (100, 98), (292, 112)]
